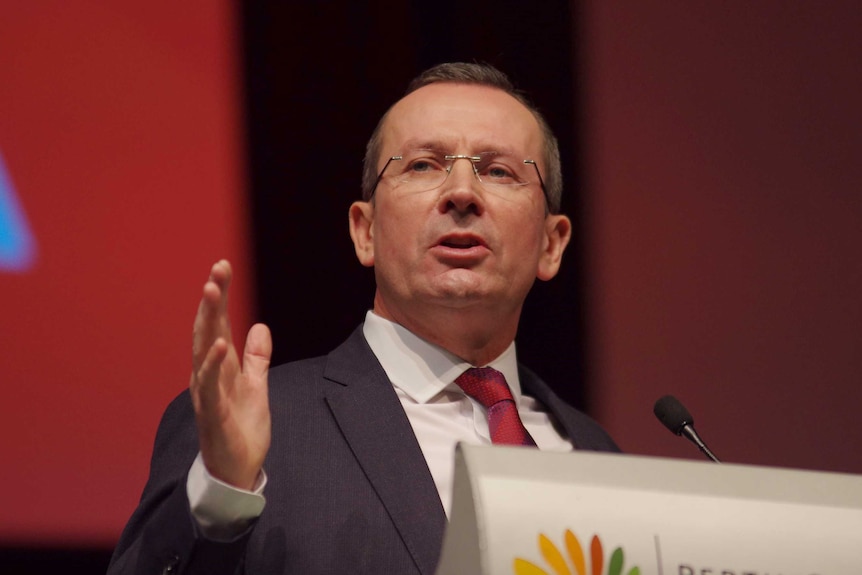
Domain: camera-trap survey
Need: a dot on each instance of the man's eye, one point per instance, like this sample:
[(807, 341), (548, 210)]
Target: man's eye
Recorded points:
[(422, 166), (499, 173)]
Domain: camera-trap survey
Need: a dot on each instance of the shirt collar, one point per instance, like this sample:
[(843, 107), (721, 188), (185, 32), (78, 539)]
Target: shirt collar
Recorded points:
[(421, 369)]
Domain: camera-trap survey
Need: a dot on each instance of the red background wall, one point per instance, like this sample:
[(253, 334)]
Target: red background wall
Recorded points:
[(724, 180), (119, 126)]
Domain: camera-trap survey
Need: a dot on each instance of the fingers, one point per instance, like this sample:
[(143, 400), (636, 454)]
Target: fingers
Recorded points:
[(221, 274), (206, 377), (257, 354), (212, 320)]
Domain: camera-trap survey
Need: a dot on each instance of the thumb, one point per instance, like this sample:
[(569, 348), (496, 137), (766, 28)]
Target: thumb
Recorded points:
[(257, 353)]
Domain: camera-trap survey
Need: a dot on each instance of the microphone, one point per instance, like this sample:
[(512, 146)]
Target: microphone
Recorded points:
[(676, 417)]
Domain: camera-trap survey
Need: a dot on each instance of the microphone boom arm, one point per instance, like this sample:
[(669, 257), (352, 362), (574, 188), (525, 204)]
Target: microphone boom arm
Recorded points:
[(692, 435)]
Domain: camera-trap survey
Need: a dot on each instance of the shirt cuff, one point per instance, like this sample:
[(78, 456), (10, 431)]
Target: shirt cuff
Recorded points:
[(222, 511)]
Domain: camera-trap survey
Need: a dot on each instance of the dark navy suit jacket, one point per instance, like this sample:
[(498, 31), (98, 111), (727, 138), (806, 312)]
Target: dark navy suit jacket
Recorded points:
[(349, 490)]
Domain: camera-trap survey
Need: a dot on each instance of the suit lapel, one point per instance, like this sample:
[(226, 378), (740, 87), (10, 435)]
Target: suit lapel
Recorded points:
[(370, 416), (583, 432), (534, 386)]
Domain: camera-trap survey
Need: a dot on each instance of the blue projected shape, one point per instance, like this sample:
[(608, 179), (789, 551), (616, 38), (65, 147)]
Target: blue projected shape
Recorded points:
[(17, 247)]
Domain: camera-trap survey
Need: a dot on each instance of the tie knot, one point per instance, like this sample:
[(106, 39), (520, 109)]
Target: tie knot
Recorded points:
[(485, 384)]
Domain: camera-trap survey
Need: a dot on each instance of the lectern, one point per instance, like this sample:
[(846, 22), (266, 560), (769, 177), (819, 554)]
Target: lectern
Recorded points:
[(524, 512)]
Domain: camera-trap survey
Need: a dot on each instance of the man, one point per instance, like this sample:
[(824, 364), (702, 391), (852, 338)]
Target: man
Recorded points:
[(354, 451)]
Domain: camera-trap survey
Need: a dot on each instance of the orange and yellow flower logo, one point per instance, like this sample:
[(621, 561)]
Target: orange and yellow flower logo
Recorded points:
[(577, 562)]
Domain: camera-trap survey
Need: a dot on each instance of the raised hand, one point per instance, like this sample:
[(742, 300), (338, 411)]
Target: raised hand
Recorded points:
[(229, 396)]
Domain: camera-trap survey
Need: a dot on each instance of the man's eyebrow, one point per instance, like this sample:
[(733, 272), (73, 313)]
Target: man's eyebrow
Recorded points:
[(498, 150), (415, 144), (437, 146)]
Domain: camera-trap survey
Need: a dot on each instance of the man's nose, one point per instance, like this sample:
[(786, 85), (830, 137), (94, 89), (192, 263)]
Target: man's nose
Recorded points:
[(462, 190)]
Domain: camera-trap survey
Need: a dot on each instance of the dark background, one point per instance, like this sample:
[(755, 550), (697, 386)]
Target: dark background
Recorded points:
[(307, 140)]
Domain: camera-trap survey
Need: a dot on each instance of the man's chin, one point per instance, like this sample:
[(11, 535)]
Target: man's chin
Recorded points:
[(461, 286)]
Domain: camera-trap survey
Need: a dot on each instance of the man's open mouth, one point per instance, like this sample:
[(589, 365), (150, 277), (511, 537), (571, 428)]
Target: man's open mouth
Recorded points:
[(460, 243)]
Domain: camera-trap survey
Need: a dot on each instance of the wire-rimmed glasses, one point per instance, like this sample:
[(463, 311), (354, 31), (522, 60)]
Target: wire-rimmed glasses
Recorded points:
[(422, 170)]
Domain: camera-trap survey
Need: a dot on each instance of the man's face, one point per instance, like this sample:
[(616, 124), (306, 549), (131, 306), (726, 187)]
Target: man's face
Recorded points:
[(458, 245)]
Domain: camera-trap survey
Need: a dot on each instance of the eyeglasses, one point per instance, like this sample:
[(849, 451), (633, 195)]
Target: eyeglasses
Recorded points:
[(423, 170)]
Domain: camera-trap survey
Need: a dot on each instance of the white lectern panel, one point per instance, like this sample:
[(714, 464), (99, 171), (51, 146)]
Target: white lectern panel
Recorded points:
[(523, 512)]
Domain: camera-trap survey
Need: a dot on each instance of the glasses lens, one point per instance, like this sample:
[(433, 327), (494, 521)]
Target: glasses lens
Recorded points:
[(502, 171), (420, 170)]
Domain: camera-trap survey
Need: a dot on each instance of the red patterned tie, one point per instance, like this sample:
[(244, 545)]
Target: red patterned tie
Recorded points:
[(488, 386)]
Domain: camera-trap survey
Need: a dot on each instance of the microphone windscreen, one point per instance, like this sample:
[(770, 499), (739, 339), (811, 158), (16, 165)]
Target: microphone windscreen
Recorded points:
[(672, 414)]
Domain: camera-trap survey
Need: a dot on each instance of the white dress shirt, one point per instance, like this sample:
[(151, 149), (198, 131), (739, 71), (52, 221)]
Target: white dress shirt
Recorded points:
[(440, 413)]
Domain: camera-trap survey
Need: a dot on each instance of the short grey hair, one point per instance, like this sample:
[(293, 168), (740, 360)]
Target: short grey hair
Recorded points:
[(481, 75)]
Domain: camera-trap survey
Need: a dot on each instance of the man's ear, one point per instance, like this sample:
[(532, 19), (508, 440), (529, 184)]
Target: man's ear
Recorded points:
[(558, 232), (362, 231)]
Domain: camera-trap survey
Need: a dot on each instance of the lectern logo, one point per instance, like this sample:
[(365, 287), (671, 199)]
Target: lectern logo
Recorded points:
[(576, 562)]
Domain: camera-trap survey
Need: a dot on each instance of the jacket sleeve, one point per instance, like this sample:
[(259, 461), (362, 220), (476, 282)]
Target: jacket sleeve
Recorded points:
[(162, 536)]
